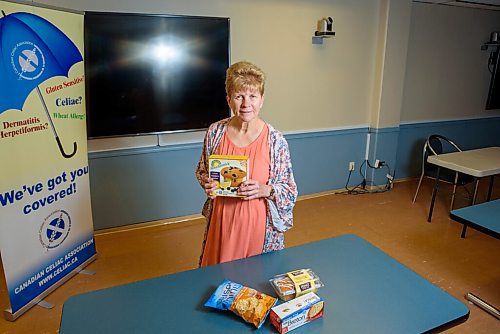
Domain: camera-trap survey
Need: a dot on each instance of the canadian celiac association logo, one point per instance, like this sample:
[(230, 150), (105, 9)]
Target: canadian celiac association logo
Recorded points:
[(55, 229), (27, 60)]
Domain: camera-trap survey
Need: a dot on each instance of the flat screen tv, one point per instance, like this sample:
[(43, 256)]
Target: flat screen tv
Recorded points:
[(150, 74)]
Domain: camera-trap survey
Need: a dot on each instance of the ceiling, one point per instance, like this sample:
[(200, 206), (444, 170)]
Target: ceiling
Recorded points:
[(482, 4)]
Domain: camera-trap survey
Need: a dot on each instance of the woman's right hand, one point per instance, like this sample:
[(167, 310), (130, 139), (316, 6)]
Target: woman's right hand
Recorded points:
[(209, 186)]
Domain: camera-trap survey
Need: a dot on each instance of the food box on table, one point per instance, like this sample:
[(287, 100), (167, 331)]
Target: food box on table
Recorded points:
[(297, 312)]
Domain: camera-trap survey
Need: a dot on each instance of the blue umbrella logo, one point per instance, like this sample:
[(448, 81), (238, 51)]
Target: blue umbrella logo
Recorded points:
[(32, 50)]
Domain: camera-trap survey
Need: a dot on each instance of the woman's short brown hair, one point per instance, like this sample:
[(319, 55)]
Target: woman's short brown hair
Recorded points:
[(244, 75)]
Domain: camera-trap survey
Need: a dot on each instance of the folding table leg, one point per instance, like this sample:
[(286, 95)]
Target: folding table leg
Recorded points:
[(473, 200), (492, 177), (464, 230), (454, 191), (434, 191)]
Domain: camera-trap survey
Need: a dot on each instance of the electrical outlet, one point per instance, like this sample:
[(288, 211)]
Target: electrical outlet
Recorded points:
[(351, 166), (377, 163)]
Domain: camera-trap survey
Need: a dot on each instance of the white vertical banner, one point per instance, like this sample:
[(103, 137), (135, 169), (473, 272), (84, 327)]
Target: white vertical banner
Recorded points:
[(46, 220)]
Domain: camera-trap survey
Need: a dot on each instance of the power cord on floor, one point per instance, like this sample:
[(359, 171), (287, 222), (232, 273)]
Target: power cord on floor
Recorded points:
[(361, 187), (357, 189)]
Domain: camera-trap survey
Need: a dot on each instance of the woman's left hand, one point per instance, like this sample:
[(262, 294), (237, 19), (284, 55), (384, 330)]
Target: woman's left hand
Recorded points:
[(252, 189)]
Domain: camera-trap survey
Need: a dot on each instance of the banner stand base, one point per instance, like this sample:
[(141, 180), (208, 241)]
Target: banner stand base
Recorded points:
[(45, 304), (9, 316), (87, 272)]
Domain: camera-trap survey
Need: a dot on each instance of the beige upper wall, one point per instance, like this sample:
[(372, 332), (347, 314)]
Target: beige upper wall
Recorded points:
[(309, 86), (446, 71), (390, 65), (344, 82)]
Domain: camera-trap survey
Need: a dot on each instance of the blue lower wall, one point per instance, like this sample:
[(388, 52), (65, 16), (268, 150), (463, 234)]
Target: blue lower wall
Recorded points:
[(383, 146), (134, 186), (467, 134), (321, 160), (140, 185)]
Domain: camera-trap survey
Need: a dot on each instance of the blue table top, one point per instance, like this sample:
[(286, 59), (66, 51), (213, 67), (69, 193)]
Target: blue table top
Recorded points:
[(366, 291), (486, 215)]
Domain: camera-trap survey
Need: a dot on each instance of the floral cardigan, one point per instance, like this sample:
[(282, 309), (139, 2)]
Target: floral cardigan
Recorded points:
[(279, 216)]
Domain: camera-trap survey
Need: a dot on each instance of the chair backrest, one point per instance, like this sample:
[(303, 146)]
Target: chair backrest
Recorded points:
[(437, 144)]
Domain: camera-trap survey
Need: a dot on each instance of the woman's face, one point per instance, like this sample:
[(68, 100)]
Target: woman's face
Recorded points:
[(246, 104)]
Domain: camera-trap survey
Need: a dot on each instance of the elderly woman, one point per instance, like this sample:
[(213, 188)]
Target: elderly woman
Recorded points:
[(239, 227)]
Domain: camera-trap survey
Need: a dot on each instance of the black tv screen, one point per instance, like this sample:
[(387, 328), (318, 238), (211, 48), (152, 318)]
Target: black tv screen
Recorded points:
[(148, 74)]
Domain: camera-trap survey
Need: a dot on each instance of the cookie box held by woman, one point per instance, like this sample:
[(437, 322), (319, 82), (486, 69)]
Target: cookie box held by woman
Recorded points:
[(228, 171)]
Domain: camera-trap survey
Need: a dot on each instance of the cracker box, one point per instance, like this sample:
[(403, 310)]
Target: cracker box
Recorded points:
[(297, 312), (229, 171)]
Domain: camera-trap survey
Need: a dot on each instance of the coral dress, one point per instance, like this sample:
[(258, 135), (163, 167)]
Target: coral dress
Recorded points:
[(237, 227)]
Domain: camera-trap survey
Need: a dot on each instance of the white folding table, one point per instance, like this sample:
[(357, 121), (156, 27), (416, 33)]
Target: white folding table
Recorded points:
[(479, 163)]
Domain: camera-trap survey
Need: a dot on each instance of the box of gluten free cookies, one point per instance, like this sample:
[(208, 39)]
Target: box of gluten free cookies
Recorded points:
[(228, 171), (297, 312)]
